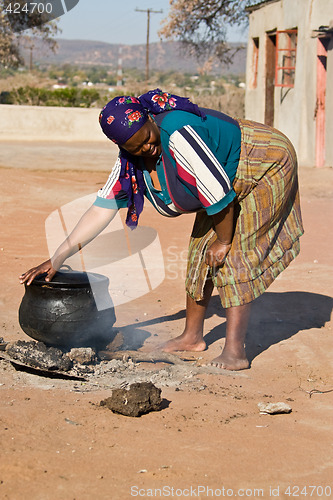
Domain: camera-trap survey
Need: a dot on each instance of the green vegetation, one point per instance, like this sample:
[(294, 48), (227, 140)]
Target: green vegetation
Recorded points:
[(92, 86), (73, 75), (67, 97)]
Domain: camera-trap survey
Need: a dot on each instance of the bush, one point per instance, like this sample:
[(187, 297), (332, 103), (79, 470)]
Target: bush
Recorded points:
[(67, 97), (6, 98)]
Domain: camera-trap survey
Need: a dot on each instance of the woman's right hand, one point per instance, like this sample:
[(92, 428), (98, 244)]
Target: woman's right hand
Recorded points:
[(45, 267), (93, 221)]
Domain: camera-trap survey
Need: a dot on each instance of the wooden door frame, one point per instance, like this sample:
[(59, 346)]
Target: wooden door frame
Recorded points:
[(270, 49)]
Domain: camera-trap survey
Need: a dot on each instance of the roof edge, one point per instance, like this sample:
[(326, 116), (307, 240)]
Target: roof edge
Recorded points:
[(259, 5)]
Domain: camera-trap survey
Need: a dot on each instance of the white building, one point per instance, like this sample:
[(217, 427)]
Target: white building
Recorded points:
[(289, 82)]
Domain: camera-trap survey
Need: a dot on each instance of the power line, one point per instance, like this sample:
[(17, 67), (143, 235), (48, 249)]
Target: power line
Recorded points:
[(149, 11)]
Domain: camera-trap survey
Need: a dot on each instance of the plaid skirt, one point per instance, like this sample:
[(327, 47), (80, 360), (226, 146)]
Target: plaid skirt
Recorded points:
[(268, 222)]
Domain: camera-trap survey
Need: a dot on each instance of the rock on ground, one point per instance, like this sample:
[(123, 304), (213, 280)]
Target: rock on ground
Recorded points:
[(38, 355), (135, 400)]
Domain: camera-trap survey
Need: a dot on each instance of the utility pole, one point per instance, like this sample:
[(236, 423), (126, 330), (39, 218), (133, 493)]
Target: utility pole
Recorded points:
[(120, 69), (149, 11)]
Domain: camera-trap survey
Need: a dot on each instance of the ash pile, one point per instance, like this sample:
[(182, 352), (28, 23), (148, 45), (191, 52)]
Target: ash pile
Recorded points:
[(91, 370)]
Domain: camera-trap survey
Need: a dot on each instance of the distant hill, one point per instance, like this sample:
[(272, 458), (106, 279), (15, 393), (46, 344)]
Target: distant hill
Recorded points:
[(164, 56)]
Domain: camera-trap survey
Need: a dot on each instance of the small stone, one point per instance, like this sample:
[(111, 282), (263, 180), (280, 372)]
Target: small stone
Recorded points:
[(274, 408), (71, 422), (82, 355)]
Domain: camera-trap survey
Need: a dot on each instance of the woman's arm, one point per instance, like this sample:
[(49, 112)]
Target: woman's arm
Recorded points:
[(92, 223), (224, 228)]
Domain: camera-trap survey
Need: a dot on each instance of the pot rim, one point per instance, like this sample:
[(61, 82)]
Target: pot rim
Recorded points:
[(69, 279)]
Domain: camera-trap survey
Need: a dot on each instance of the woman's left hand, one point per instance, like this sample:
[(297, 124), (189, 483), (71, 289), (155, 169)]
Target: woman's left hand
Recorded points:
[(216, 253)]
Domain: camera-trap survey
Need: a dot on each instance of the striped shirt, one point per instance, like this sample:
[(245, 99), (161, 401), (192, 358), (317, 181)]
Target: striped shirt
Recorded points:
[(196, 169)]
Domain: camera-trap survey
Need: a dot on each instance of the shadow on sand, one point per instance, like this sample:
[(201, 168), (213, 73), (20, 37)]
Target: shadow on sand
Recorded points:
[(274, 317)]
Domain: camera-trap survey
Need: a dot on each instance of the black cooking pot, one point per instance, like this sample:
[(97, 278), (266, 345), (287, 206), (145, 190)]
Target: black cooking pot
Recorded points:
[(63, 312)]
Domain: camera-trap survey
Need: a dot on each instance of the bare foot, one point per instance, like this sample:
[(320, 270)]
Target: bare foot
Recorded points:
[(228, 361), (183, 342)]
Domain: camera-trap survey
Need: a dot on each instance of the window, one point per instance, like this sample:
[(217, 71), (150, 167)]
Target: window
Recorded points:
[(286, 45), (255, 57)]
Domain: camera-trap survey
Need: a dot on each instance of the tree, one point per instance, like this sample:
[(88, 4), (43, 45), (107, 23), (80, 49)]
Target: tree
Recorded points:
[(201, 25), (22, 28)]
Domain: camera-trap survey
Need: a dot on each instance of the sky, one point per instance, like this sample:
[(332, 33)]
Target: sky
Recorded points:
[(116, 21)]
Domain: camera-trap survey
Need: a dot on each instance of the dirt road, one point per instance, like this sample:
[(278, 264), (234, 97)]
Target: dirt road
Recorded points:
[(210, 440)]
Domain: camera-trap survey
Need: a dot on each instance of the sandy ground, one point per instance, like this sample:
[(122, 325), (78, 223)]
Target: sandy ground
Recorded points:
[(210, 440)]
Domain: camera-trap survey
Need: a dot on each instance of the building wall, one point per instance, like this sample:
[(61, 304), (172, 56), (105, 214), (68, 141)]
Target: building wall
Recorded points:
[(31, 123), (294, 108)]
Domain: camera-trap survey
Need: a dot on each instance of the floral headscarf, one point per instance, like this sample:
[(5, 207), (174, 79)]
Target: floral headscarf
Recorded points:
[(123, 117)]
